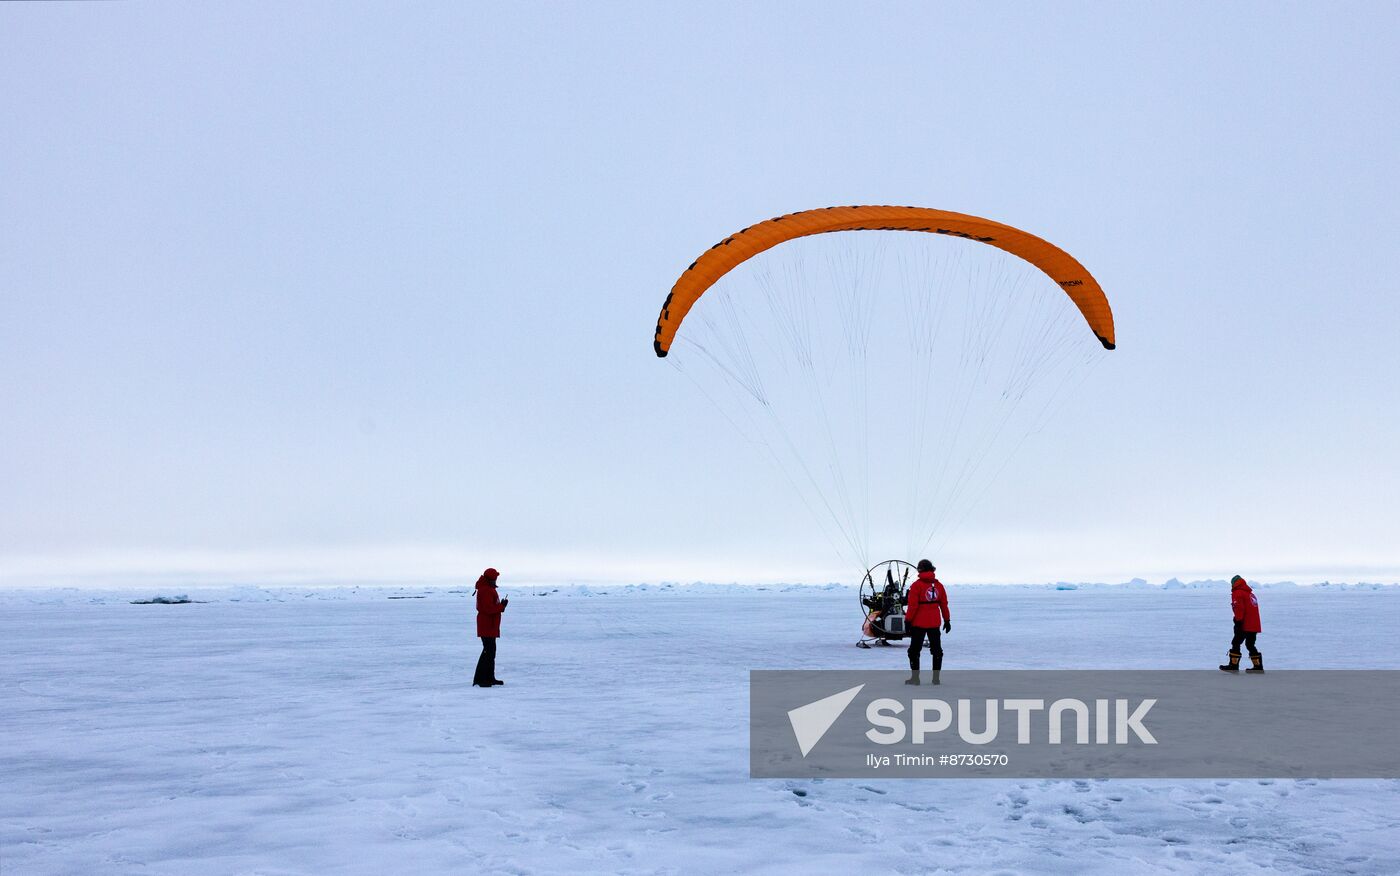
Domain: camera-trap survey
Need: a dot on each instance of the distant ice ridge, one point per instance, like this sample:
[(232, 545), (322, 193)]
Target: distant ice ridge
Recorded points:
[(363, 593)]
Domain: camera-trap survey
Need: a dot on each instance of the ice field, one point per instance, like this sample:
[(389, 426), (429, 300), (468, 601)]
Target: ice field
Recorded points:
[(317, 731)]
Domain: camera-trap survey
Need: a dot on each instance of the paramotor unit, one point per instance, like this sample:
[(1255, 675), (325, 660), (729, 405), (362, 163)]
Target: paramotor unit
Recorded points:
[(882, 594), (888, 377)]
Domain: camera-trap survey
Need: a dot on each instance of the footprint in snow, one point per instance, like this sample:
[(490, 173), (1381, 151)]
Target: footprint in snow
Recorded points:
[(801, 796), (1077, 814), (1018, 803), (865, 836)]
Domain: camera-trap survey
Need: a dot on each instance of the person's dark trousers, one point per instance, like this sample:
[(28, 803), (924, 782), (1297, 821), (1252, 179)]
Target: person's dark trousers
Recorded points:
[(1242, 636), (916, 644), (486, 664)]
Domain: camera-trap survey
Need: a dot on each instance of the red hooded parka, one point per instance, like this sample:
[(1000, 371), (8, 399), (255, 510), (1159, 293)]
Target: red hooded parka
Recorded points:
[(488, 606), (927, 606), (1245, 605)]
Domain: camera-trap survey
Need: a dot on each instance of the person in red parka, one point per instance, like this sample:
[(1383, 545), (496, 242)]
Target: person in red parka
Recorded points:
[(1245, 607), (489, 606), (927, 608)]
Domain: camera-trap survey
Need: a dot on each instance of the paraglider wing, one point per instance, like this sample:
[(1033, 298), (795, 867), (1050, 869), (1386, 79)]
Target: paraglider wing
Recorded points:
[(719, 259)]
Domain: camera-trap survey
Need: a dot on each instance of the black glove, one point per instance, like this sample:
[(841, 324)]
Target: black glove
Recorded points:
[(504, 603), (1239, 627), (948, 625)]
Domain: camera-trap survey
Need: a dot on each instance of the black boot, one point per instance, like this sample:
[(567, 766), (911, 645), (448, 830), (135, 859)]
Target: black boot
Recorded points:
[(913, 677), (1258, 659), (1234, 665), (935, 677)]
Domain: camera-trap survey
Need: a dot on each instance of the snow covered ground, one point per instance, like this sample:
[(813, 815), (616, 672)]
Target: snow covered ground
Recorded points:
[(318, 731)]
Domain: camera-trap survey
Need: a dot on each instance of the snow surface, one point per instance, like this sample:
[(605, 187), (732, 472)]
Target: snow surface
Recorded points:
[(319, 731)]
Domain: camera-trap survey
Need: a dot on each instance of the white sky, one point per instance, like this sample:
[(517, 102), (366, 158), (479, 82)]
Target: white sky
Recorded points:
[(332, 291)]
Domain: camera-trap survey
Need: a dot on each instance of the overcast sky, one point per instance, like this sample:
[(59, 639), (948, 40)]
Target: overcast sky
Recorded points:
[(347, 292)]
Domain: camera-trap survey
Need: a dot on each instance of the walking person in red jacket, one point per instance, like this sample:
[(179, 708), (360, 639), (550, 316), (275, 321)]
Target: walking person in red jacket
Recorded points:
[(927, 608), (489, 606), (1245, 606)]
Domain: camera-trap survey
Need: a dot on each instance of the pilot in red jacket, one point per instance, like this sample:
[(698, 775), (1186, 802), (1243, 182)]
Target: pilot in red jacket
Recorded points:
[(489, 606), (926, 610)]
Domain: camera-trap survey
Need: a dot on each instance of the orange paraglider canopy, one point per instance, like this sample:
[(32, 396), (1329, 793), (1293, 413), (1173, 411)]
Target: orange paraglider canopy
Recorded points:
[(719, 259)]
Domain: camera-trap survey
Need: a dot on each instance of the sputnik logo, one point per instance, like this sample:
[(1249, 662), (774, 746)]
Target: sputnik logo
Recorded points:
[(810, 722)]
